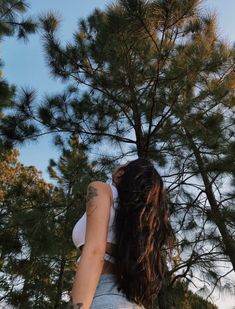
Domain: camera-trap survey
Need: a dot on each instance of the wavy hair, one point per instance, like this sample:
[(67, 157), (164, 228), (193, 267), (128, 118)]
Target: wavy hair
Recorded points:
[(142, 230)]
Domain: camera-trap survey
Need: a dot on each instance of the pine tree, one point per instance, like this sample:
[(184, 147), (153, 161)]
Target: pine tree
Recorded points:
[(154, 78), (37, 254), (72, 173), (186, 299), (12, 22), (24, 217)]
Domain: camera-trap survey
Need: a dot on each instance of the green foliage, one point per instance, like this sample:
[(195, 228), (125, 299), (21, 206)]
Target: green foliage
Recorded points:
[(12, 23), (153, 79), (184, 298), (37, 254)]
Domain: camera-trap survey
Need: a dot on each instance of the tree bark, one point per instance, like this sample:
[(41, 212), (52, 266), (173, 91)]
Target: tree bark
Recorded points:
[(228, 241), (60, 284)]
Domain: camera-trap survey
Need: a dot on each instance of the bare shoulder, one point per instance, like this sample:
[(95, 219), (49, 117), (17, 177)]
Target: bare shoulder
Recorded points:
[(98, 208), (99, 184), (98, 193), (98, 187)]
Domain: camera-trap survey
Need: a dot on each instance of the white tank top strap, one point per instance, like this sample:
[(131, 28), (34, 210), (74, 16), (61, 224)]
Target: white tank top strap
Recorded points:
[(114, 191)]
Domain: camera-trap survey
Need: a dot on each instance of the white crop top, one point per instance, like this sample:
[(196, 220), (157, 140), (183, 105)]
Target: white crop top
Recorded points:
[(78, 234)]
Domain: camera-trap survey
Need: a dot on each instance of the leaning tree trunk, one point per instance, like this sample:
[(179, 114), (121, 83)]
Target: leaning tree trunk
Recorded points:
[(216, 216)]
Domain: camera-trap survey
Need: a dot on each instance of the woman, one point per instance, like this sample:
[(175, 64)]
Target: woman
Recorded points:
[(122, 233)]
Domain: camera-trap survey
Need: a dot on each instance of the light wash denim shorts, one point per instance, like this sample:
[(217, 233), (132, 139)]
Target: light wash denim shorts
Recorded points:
[(107, 295)]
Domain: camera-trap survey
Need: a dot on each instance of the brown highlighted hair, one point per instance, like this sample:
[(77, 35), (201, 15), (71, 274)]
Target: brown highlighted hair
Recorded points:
[(142, 231)]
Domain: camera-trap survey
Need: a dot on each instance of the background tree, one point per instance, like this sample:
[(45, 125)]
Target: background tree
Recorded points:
[(72, 173), (37, 254), (153, 78), (184, 298), (25, 210), (12, 22)]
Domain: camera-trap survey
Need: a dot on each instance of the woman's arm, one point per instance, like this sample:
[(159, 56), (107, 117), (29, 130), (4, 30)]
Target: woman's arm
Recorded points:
[(91, 262)]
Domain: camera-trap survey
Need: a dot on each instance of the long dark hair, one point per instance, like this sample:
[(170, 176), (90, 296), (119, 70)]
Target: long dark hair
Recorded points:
[(142, 228)]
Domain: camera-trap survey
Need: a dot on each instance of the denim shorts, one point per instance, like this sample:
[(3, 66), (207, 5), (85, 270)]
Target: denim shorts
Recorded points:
[(107, 296)]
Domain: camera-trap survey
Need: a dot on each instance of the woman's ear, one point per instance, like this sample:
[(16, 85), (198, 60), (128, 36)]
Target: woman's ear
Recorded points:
[(121, 172)]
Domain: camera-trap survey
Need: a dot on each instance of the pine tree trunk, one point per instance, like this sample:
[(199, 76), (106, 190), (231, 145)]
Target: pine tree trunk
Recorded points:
[(24, 297), (228, 241), (60, 284), (24, 294)]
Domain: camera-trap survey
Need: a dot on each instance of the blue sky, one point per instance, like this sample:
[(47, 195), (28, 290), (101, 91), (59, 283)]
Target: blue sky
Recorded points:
[(25, 66)]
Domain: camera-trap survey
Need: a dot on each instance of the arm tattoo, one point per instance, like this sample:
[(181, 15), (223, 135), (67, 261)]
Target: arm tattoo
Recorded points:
[(74, 306), (77, 306), (91, 192)]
